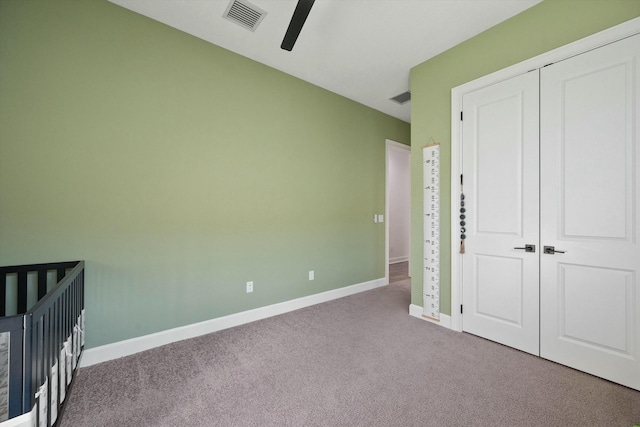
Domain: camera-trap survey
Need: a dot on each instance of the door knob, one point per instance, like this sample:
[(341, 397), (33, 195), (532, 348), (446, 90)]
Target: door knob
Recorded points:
[(550, 250), (528, 248)]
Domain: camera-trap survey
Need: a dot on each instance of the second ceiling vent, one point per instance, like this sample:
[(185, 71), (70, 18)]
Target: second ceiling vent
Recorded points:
[(402, 98), (244, 14)]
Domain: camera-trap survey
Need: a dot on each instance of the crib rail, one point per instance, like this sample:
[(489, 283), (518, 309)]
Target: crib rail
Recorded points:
[(25, 275), (45, 330)]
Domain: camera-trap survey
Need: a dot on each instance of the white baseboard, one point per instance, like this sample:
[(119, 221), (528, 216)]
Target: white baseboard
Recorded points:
[(416, 311), (119, 349), (396, 260)]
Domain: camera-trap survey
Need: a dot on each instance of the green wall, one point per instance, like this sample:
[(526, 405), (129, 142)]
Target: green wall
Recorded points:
[(546, 26), (178, 170)]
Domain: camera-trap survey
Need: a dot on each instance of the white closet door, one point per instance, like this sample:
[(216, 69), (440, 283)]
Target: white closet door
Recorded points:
[(500, 167), (590, 209)]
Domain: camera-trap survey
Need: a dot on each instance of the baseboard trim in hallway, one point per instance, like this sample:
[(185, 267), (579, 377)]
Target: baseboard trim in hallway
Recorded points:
[(131, 346)]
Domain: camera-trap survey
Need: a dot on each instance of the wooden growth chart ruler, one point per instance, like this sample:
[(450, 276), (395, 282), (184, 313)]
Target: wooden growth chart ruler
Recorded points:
[(431, 269)]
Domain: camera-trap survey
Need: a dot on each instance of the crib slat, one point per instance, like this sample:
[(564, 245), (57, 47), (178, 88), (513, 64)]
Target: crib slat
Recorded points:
[(29, 387), (14, 326), (3, 294), (22, 292), (42, 284), (61, 273)]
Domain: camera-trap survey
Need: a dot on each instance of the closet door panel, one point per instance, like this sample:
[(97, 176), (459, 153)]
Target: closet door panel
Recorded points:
[(595, 143), (589, 212), (500, 166)]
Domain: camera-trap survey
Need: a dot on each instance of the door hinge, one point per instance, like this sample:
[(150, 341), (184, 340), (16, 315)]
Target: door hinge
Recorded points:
[(460, 308), (460, 115)]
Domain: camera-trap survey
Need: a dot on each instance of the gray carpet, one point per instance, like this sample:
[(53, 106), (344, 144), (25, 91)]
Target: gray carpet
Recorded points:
[(356, 361)]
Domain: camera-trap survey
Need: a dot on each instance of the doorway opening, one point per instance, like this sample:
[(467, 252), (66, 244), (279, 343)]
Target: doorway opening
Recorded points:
[(397, 210)]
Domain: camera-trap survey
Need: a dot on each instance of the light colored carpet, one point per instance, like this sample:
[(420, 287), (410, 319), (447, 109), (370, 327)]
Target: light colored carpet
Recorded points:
[(356, 361)]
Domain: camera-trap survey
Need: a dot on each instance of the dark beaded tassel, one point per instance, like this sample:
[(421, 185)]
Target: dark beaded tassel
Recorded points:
[(462, 218)]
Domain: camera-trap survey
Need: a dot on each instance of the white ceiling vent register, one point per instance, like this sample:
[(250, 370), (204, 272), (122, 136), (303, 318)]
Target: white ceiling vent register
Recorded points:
[(244, 14)]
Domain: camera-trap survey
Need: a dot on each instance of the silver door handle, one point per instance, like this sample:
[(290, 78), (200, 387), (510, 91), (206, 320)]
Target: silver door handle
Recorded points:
[(528, 248), (550, 250)]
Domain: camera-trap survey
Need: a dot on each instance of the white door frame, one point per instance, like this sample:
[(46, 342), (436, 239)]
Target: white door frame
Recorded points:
[(610, 35), (391, 145)]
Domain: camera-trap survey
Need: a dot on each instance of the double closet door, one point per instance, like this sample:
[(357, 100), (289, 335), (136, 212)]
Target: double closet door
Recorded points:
[(551, 166)]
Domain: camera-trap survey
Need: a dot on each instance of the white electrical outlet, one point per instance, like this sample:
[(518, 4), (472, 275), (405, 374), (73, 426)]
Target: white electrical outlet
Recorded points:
[(375, 218), (380, 218), (249, 287), (312, 275)]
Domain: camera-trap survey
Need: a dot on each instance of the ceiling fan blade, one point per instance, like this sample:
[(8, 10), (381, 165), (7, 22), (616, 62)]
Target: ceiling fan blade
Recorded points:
[(297, 21)]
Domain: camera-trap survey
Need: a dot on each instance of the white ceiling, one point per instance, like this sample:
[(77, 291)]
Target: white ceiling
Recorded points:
[(360, 49)]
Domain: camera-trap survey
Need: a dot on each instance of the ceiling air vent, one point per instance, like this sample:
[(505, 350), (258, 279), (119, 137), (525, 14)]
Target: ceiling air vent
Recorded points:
[(402, 98), (244, 14)]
